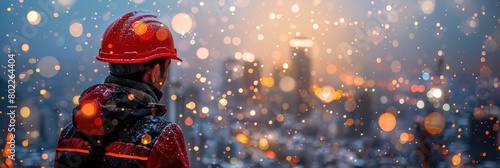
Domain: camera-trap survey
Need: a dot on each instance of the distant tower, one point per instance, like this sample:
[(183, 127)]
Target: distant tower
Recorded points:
[(233, 72), (301, 72), (363, 116), (485, 120), (251, 79), (176, 106), (280, 101)]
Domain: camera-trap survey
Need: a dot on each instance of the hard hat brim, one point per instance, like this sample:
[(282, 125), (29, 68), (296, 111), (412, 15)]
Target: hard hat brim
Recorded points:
[(134, 57)]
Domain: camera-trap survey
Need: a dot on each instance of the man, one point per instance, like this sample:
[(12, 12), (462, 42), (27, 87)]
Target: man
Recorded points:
[(119, 123)]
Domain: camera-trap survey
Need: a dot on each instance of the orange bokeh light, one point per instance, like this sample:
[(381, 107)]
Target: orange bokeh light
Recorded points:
[(88, 109), (162, 34), (411, 137), (387, 121), (280, 117), (140, 28), (358, 81), (188, 121), (8, 163), (349, 122), (434, 123), (270, 154), (242, 138), (414, 88), (404, 137), (6, 151), (421, 88), (456, 160), (267, 81)]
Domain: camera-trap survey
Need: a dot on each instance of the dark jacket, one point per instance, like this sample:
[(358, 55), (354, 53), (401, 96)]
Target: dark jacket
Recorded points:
[(119, 124)]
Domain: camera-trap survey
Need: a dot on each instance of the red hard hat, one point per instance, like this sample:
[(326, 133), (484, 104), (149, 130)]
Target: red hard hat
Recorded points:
[(136, 37)]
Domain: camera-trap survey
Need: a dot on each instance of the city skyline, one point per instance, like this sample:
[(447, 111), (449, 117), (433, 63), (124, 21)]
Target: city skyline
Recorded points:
[(388, 82)]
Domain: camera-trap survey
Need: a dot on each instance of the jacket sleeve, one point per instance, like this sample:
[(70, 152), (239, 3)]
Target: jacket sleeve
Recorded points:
[(169, 149), (56, 156)]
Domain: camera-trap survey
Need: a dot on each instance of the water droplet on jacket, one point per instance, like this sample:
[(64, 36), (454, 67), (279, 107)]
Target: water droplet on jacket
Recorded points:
[(146, 139), (131, 96)]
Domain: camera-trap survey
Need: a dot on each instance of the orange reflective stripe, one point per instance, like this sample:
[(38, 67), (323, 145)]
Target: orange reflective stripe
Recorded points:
[(73, 150), (107, 153), (127, 156)]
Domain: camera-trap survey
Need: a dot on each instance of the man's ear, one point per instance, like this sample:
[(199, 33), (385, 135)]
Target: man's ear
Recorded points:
[(155, 73)]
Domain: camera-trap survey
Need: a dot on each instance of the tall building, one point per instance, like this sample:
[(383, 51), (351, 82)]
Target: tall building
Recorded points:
[(363, 117), (301, 72), (233, 71), (485, 130), (251, 83), (301, 68)]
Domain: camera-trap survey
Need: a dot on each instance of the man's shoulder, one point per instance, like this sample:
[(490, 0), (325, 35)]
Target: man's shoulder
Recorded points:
[(68, 132), (153, 121), (148, 125), (102, 88)]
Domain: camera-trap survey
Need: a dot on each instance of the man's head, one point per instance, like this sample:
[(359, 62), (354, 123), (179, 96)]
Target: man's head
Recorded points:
[(138, 46)]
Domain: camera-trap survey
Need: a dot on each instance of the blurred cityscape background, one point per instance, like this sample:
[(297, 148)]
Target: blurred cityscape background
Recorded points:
[(278, 83)]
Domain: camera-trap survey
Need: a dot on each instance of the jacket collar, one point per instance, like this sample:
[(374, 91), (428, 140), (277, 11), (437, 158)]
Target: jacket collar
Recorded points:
[(153, 94)]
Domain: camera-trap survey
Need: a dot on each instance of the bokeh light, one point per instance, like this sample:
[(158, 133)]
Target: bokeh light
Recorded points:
[(182, 23), (242, 138), (456, 159), (325, 94), (65, 3), (202, 53), (146, 139), (25, 47), (280, 117), (75, 99), (435, 93), (88, 109), (76, 29), (295, 8), (140, 28), (205, 110), (25, 112), (188, 121), (223, 102), (191, 105), (350, 105), (427, 6), (263, 144), (267, 81), (404, 137), (434, 123), (387, 121), (287, 84), (241, 3), (48, 66), (33, 17), (396, 66), (249, 57), (138, 1), (162, 34)]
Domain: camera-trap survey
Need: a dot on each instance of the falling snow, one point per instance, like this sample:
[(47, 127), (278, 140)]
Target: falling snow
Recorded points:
[(277, 83)]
